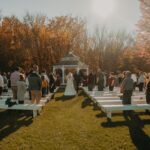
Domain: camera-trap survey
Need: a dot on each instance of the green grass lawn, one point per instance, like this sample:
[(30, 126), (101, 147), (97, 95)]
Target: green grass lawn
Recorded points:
[(73, 124)]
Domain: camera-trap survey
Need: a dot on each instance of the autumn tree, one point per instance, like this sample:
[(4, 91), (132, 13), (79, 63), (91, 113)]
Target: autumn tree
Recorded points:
[(110, 46), (143, 37)]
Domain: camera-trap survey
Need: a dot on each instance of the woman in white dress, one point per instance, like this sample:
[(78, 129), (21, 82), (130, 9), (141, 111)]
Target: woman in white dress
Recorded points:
[(70, 89)]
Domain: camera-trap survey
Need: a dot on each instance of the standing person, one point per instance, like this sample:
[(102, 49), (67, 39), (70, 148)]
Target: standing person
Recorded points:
[(141, 81), (8, 77), (58, 79), (111, 81), (5, 89), (91, 81), (27, 82), (100, 80), (70, 89), (147, 91), (120, 77), (22, 87), (52, 84), (76, 77), (1, 84), (14, 77), (134, 78), (44, 86), (127, 88), (46, 78), (35, 85)]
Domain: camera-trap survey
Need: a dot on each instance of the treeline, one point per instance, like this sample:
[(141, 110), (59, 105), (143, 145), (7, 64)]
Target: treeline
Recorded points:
[(38, 39)]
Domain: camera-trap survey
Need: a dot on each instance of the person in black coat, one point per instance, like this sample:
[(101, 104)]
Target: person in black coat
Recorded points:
[(91, 81), (52, 82), (148, 91), (100, 80), (77, 80)]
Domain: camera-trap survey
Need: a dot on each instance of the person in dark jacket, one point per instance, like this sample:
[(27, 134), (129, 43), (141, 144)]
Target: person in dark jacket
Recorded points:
[(77, 80), (147, 91), (111, 81), (91, 81), (52, 82), (35, 85), (100, 80)]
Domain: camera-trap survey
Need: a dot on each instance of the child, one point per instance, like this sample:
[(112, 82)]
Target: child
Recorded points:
[(44, 86)]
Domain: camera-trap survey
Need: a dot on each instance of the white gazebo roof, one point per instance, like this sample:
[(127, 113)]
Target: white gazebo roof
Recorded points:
[(71, 60)]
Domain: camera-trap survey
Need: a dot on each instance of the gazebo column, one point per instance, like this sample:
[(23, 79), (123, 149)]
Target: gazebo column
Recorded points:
[(63, 75), (54, 69), (78, 69)]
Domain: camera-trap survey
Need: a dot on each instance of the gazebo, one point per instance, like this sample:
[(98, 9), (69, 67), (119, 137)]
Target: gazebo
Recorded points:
[(70, 61)]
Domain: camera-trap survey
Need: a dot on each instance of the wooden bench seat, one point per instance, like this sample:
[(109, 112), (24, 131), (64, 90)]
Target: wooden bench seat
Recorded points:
[(108, 109)]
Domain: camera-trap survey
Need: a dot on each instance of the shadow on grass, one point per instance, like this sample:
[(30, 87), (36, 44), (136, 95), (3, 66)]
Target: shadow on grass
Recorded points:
[(140, 139), (102, 114), (64, 98), (12, 120), (86, 102)]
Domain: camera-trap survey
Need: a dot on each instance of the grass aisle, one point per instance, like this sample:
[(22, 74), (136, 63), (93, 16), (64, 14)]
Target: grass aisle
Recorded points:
[(73, 124)]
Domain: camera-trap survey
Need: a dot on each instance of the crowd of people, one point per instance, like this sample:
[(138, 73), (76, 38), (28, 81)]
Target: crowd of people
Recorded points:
[(40, 84), (127, 81), (37, 84)]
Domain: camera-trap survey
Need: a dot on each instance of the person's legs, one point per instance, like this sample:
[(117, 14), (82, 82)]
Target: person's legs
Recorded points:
[(77, 87), (127, 100), (33, 96), (30, 95), (127, 97), (44, 92), (14, 90), (1, 90), (100, 88), (38, 96), (21, 102), (141, 87), (111, 88), (90, 87), (147, 100)]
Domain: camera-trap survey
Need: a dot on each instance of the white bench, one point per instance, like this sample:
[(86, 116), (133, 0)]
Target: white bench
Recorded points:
[(34, 107), (119, 102), (27, 106), (108, 109)]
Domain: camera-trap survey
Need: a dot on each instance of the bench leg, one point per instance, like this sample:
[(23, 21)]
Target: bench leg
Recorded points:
[(34, 113), (109, 114)]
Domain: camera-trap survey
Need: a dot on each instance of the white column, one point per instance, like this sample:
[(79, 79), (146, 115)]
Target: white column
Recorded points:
[(78, 69), (63, 75), (53, 69)]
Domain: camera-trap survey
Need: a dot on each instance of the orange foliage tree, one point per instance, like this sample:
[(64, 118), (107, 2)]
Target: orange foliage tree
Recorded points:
[(38, 39)]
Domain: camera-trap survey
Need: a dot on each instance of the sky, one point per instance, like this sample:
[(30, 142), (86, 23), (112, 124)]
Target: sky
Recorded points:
[(114, 14)]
